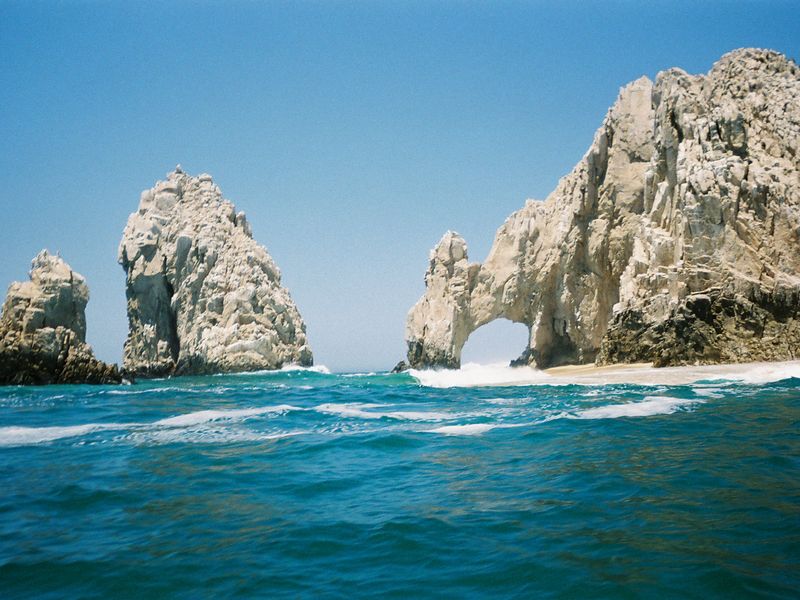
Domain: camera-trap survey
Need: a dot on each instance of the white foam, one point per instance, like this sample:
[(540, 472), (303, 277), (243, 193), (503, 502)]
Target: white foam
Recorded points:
[(766, 372), (708, 392), (285, 369), (315, 369), (235, 414), (139, 390), (204, 435), (651, 405), (476, 428), (475, 375), (357, 410), (471, 429), (25, 436), (418, 416), (506, 401)]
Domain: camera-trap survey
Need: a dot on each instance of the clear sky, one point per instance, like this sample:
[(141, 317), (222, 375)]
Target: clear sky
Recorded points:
[(353, 134)]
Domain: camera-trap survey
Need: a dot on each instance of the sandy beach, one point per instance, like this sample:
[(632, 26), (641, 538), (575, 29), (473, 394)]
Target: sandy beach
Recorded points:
[(645, 373), (477, 375)]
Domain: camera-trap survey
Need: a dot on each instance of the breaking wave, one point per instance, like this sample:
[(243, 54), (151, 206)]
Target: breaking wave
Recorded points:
[(318, 369), (476, 375), (650, 406), (500, 375), (330, 404), (26, 436), (208, 416), (357, 410)]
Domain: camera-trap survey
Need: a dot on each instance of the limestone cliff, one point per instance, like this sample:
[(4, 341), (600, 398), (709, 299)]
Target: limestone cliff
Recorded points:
[(43, 329), (675, 240), (203, 296)]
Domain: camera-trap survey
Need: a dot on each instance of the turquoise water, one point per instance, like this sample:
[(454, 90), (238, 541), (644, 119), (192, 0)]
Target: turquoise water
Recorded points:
[(302, 484)]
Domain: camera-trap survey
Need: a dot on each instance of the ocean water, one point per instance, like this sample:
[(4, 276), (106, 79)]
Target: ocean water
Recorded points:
[(487, 482)]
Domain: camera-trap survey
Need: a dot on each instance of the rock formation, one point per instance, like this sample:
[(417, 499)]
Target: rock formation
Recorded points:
[(203, 296), (43, 329), (675, 240)]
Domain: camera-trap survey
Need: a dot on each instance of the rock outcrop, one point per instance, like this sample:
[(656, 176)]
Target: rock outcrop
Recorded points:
[(43, 329), (203, 296), (675, 240)]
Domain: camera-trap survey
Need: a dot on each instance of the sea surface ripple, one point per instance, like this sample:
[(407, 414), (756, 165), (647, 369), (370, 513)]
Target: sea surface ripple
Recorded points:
[(480, 483)]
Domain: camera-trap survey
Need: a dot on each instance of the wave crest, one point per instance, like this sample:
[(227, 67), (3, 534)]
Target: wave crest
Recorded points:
[(476, 375), (650, 406)]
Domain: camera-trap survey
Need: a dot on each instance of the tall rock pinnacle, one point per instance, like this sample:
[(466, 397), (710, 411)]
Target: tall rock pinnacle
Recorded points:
[(203, 296)]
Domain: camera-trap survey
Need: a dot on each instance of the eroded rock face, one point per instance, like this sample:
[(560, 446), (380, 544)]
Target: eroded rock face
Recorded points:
[(43, 329), (675, 240), (203, 296)]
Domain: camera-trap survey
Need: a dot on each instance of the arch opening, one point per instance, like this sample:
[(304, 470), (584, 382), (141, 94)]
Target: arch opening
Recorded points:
[(499, 341)]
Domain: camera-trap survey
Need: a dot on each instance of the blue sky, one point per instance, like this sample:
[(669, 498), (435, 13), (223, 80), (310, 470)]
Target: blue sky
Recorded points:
[(353, 134)]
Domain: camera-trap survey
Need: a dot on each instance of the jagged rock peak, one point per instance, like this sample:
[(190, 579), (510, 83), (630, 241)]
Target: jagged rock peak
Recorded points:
[(203, 296), (43, 329), (741, 60), (55, 296), (676, 239)]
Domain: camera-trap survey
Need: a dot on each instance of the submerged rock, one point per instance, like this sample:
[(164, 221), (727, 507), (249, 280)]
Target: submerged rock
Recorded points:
[(400, 367), (43, 329), (675, 240), (203, 296)]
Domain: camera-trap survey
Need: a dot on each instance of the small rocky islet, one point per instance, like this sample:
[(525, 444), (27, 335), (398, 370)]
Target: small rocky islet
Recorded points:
[(675, 240), (43, 329)]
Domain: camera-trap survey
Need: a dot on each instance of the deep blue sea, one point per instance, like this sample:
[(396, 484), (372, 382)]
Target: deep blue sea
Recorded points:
[(476, 484)]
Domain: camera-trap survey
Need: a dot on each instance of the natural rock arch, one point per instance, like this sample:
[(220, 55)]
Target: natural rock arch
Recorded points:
[(463, 296), (499, 340), (675, 240)]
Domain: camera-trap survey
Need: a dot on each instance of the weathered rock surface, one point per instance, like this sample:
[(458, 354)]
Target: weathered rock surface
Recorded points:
[(203, 296), (400, 367), (675, 240), (43, 329)]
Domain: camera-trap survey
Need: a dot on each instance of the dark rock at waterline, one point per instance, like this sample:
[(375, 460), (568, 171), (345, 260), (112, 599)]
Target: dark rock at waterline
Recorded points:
[(43, 329), (719, 326), (400, 367), (62, 359)]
